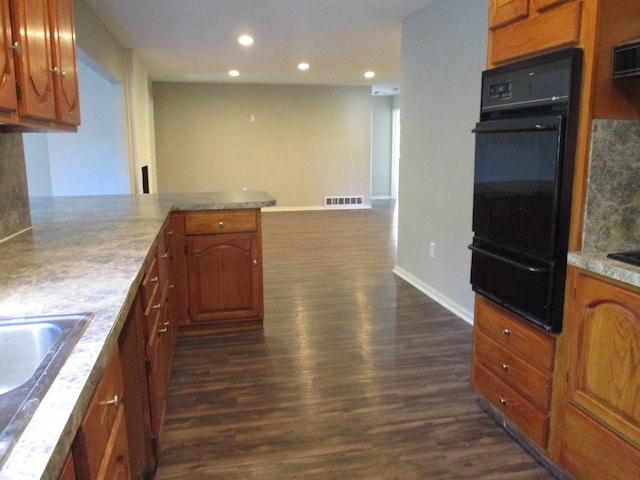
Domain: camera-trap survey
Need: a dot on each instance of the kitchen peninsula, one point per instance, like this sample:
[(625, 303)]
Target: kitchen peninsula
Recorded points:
[(86, 255)]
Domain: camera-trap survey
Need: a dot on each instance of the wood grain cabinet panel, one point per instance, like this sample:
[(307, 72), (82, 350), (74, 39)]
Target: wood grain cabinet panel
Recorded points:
[(220, 254), (600, 398), (512, 368), (552, 29), (503, 12), (8, 95)]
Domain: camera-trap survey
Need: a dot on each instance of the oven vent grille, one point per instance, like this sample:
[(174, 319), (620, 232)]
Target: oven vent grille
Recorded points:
[(350, 201)]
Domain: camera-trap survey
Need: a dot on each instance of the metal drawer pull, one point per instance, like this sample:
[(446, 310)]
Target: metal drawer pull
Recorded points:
[(503, 401), (221, 224), (504, 366), (115, 402), (163, 330), (165, 255), (506, 332), (154, 279), (157, 306)]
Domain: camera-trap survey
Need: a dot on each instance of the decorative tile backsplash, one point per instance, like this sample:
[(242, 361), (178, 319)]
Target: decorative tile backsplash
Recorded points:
[(14, 195), (612, 213)]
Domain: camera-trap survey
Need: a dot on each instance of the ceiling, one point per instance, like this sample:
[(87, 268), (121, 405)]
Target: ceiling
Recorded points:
[(197, 40)]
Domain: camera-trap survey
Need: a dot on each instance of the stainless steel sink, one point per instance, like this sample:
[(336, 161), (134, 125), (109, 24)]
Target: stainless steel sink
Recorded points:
[(32, 351)]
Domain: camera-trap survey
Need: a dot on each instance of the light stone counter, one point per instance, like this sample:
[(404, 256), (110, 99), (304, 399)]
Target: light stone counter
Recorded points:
[(598, 262), (83, 255)]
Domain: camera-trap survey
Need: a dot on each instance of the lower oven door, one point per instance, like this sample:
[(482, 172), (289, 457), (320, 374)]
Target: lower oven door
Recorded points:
[(521, 284)]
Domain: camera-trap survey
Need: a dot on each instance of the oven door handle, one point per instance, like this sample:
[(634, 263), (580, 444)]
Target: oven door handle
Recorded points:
[(534, 128), (509, 261)]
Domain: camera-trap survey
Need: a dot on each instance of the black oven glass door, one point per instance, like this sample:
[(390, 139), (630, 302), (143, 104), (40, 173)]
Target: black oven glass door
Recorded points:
[(517, 182)]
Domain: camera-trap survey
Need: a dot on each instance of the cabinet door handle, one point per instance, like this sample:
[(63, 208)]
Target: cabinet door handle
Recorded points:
[(115, 401), (154, 279), (162, 330), (504, 366), (220, 224), (15, 47), (56, 71), (157, 306), (255, 263), (506, 332), (503, 401)]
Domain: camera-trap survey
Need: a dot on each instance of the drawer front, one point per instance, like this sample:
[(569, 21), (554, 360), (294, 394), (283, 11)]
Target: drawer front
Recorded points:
[(98, 422), (532, 383), (522, 413), (528, 341), (211, 222)]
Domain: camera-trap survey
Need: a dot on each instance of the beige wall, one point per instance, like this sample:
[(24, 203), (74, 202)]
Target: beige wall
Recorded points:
[(306, 141)]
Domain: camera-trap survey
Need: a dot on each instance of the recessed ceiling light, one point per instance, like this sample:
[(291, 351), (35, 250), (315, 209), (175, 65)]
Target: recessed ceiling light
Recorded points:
[(370, 74), (245, 40), (303, 66), (234, 73)]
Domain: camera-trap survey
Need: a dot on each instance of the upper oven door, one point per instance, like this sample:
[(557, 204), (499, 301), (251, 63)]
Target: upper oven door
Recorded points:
[(517, 182)]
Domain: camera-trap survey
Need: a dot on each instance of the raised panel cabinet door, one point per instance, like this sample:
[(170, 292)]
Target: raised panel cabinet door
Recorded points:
[(115, 465), (30, 22), (225, 274), (503, 12), (8, 97), (64, 62), (604, 374)]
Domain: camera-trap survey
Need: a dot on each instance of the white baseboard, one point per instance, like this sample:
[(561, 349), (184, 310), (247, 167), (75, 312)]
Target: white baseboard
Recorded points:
[(443, 300), (311, 207)]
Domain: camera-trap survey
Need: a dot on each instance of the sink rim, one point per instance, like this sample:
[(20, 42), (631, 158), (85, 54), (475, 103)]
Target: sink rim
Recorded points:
[(18, 405)]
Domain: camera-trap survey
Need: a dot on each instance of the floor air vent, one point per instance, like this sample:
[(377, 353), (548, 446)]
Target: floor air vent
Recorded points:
[(352, 201)]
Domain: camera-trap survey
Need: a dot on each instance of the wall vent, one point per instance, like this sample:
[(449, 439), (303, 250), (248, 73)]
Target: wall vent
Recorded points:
[(350, 201)]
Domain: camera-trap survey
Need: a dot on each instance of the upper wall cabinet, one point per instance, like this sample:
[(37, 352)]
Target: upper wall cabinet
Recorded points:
[(41, 39), (8, 98), (519, 28)]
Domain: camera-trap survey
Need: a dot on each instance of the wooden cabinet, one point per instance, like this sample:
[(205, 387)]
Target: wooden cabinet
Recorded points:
[(68, 469), (512, 368), (597, 409), (160, 328), (40, 80), (100, 448), (223, 261), (520, 28), (8, 97)]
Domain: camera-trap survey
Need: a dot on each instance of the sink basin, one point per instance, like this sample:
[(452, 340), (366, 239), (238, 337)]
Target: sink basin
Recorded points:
[(31, 354), (24, 346)]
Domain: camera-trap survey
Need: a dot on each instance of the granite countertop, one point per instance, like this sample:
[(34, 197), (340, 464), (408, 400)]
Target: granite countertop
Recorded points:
[(597, 262), (84, 255)]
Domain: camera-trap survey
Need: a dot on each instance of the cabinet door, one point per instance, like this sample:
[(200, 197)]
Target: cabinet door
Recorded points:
[(604, 378), (115, 465), (30, 21), (64, 62), (503, 12), (8, 98), (225, 276)]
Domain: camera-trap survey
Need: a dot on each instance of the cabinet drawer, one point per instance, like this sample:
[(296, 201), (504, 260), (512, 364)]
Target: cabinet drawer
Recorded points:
[(530, 419), (532, 383), (228, 221), (97, 425), (552, 29), (504, 12), (531, 343)]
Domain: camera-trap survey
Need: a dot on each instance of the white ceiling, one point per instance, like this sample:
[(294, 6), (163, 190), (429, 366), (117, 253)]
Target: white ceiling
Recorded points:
[(196, 40)]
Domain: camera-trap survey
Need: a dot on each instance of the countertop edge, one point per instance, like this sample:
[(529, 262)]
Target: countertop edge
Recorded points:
[(597, 262)]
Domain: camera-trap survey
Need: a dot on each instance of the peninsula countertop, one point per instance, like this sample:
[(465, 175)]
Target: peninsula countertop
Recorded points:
[(84, 255)]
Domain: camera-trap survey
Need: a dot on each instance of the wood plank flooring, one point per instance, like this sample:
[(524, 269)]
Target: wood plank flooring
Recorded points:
[(357, 375)]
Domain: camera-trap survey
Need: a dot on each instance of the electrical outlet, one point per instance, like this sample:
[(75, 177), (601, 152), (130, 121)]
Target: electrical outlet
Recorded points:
[(432, 249)]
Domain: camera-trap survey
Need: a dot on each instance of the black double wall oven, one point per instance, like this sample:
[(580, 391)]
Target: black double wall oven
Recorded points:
[(524, 159)]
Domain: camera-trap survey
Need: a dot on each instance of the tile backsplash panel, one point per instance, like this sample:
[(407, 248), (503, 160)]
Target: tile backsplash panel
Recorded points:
[(612, 213), (14, 195)]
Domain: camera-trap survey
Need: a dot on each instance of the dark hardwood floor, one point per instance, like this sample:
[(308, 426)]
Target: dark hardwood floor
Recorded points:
[(357, 375)]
